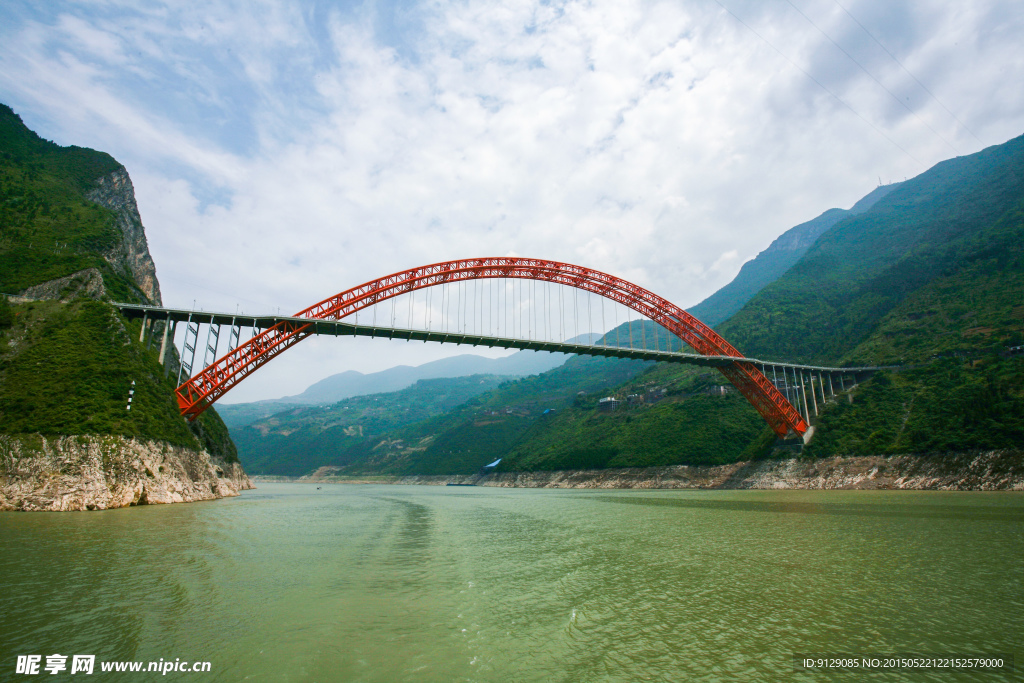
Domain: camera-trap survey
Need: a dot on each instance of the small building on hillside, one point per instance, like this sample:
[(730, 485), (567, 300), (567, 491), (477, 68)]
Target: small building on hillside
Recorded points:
[(654, 395), (608, 404)]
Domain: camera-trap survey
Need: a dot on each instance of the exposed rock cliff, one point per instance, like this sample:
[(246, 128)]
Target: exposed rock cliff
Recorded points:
[(115, 192), (85, 283), (100, 472)]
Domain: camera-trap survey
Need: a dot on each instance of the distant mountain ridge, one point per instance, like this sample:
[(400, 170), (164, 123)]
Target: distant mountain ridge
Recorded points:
[(781, 255), (353, 383)]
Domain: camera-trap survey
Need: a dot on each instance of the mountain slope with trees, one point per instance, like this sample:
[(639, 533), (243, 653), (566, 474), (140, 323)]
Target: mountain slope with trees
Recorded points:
[(781, 255), (72, 241)]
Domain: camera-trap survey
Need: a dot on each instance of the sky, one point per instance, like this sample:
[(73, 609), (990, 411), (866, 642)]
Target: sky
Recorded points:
[(282, 151)]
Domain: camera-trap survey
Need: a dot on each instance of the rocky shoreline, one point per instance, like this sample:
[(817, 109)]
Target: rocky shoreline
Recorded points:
[(101, 472), (984, 471)]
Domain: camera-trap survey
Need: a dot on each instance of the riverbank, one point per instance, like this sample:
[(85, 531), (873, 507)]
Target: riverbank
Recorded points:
[(101, 472), (986, 471)]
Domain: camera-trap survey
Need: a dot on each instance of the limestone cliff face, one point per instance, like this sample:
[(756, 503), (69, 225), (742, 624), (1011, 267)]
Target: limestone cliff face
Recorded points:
[(101, 472), (87, 283), (115, 192), (988, 471)]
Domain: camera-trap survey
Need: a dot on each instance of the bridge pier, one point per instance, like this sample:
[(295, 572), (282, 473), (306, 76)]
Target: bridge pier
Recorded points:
[(193, 332), (795, 392), (814, 397), (210, 354), (163, 341), (235, 334), (803, 392)]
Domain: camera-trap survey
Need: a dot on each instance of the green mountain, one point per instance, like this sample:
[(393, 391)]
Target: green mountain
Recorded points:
[(68, 212), (351, 383), (393, 431), (931, 278), (942, 231), (72, 240), (781, 255), (302, 438)]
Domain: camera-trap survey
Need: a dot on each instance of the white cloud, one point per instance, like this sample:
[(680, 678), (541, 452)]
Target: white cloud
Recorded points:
[(283, 153)]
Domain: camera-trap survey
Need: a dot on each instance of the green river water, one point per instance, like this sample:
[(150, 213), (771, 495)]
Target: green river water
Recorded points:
[(416, 583)]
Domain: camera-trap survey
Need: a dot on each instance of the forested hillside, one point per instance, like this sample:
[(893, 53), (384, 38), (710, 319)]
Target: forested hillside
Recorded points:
[(931, 279), (773, 262), (956, 223), (50, 228), (68, 358), (299, 439)]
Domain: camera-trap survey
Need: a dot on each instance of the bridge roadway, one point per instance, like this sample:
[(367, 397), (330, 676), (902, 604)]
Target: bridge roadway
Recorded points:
[(778, 399), (340, 328)]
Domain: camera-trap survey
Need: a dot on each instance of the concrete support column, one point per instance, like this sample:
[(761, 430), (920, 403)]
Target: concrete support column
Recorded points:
[(163, 341), (789, 389), (813, 397), (821, 382), (803, 391), (142, 332), (796, 392), (831, 389), (174, 331), (187, 348)]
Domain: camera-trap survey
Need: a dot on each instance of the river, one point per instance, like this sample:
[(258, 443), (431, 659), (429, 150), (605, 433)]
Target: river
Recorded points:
[(417, 583)]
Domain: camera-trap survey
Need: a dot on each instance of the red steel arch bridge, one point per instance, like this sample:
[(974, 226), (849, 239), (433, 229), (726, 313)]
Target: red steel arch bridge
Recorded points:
[(506, 302)]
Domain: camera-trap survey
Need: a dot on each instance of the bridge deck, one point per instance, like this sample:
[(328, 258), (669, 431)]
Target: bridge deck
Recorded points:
[(340, 328)]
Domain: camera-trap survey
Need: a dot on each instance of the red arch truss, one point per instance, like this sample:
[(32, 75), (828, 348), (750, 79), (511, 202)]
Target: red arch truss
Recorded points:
[(203, 389)]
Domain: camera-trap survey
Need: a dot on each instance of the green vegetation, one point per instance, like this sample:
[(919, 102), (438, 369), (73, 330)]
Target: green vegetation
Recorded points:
[(50, 228), (302, 438), (6, 314), (945, 406), (676, 416), (703, 430), (68, 368), (962, 216), (539, 422), (430, 427)]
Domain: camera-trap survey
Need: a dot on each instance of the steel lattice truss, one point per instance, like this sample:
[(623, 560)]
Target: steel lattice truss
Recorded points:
[(204, 388)]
